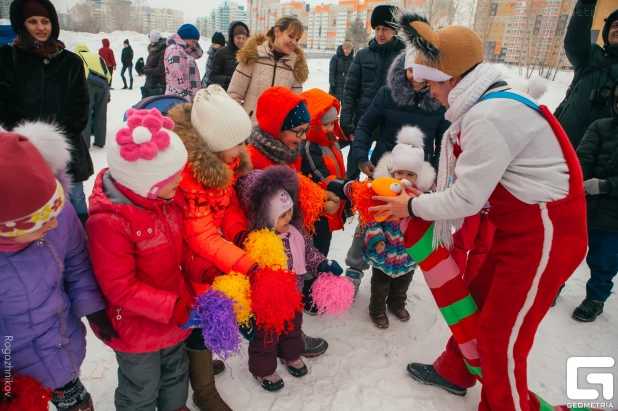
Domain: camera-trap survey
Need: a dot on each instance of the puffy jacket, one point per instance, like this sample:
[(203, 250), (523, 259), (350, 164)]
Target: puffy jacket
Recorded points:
[(107, 54), (598, 156), (260, 161), (136, 246), (212, 214), (367, 74), (258, 70), (56, 92), (224, 62), (181, 73), (321, 155), (339, 68), (155, 63), (209, 63), (92, 62), (397, 105), (578, 112), (46, 288), (126, 58)]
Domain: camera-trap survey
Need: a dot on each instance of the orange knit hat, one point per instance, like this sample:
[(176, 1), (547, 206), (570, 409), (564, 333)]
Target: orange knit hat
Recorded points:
[(441, 54)]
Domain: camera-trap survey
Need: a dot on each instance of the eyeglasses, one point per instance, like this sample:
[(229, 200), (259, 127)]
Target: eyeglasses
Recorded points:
[(299, 133)]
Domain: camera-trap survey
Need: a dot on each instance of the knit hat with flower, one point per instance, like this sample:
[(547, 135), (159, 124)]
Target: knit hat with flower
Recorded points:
[(146, 154), (33, 194)]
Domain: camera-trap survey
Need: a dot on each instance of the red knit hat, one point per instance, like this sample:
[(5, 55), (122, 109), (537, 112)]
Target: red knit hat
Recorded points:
[(34, 8), (273, 107), (33, 194)]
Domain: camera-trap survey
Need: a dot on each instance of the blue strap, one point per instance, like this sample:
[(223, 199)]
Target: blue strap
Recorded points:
[(512, 96)]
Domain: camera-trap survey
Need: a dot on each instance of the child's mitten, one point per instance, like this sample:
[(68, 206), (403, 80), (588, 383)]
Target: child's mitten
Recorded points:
[(331, 266)]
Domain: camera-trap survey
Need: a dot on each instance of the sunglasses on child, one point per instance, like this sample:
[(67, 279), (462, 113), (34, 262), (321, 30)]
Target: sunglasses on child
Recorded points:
[(299, 133)]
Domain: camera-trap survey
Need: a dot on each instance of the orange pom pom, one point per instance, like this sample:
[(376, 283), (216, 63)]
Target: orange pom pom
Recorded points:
[(362, 194), (311, 198)]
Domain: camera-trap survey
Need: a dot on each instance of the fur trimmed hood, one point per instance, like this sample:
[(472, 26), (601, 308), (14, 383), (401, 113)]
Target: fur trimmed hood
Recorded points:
[(208, 169), (154, 48), (256, 189), (424, 180), (259, 45), (401, 90)]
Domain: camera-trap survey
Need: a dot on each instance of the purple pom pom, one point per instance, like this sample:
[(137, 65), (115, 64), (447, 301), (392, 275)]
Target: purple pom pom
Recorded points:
[(219, 327)]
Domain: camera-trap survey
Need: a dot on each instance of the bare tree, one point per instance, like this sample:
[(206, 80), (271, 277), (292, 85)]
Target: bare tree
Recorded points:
[(357, 33), (82, 18), (120, 15)]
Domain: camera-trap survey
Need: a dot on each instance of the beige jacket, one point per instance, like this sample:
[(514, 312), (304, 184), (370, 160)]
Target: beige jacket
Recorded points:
[(257, 70)]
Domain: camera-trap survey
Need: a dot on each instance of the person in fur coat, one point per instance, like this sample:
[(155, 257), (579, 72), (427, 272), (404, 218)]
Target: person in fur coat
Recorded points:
[(271, 201), (383, 244)]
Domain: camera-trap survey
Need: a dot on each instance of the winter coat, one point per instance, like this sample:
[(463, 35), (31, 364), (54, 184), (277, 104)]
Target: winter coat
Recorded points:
[(46, 288), (155, 63), (367, 74), (224, 62), (92, 62), (139, 66), (578, 112), (55, 92), (598, 156), (258, 70), (107, 54), (126, 58), (135, 247), (212, 213), (339, 68), (209, 62), (397, 105), (181, 73), (321, 156), (260, 161)]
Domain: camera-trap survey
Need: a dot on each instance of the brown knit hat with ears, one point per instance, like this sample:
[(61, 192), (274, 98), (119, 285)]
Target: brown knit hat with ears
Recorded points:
[(441, 54)]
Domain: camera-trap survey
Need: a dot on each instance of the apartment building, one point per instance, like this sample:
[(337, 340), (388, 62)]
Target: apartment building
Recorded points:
[(264, 14), (164, 20), (5, 6)]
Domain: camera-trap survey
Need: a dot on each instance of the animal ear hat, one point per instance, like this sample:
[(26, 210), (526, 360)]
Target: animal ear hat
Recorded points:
[(440, 54)]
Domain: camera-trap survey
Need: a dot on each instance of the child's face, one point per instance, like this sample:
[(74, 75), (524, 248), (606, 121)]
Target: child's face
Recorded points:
[(405, 175), (283, 222), (231, 154), (329, 126), (38, 234), (292, 138), (168, 191)]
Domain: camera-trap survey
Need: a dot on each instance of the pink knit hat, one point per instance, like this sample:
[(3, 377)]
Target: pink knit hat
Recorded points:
[(279, 204), (146, 154)]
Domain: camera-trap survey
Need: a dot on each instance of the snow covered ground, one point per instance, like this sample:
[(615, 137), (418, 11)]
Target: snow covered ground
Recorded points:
[(364, 368)]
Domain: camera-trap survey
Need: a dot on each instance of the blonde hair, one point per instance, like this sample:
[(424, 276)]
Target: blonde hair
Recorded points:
[(286, 23)]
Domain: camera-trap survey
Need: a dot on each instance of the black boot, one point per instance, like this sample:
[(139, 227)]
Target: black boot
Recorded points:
[(131, 85), (588, 311), (426, 374), (312, 347)]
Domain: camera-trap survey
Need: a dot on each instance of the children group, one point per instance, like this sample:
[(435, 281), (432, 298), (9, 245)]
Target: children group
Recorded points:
[(167, 217)]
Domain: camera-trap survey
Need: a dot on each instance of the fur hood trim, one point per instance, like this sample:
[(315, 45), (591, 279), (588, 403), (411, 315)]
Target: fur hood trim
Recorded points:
[(207, 168), (154, 48), (251, 52), (402, 91), (424, 180)]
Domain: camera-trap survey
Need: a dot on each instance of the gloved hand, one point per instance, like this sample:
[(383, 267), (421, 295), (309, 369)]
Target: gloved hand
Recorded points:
[(331, 266), (240, 238), (252, 271), (367, 168), (104, 326), (595, 186), (249, 330), (182, 312), (192, 322)]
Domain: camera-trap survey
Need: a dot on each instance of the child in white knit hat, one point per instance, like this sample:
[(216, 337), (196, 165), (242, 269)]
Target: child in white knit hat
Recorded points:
[(383, 247)]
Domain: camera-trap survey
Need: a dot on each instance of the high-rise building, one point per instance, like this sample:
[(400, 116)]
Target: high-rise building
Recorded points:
[(5, 6), (162, 19), (264, 13)]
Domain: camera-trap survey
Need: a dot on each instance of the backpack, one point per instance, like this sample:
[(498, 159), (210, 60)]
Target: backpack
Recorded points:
[(161, 103)]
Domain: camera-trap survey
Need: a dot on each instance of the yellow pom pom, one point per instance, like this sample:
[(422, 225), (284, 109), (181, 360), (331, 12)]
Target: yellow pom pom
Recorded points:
[(266, 248), (237, 287)]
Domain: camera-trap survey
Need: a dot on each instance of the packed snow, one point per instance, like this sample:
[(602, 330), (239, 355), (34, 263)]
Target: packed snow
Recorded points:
[(364, 367)]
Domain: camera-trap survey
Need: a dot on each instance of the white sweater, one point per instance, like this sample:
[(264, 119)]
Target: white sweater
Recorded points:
[(502, 141)]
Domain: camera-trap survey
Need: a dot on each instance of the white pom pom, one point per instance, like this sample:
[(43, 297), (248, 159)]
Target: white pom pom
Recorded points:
[(536, 87), (411, 135), (141, 135), (50, 141)]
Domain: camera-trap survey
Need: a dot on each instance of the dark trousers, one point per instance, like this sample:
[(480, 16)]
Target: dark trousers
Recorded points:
[(124, 80), (603, 262), (111, 74), (155, 379), (386, 290), (352, 170), (97, 123), (265, 348), (323, 236)]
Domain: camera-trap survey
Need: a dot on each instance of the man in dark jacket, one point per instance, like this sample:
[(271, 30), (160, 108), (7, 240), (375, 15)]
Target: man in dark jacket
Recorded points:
[(107, 54), (368, 73), (155, 65), (596, 68), (598, 156), (127, 63), (339, 67), (224, 63)]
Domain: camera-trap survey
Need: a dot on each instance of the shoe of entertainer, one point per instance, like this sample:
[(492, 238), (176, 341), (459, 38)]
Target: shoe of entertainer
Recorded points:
[(271, 382), (355, 276), (588, 311), (426, 374), (218, 366), (202, 377), (296, 367), (312, 347)]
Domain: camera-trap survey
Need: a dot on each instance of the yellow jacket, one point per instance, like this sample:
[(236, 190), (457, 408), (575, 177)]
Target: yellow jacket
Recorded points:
[(92, 62)]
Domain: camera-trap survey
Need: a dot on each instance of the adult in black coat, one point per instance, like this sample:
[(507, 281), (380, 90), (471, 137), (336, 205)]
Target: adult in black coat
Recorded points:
[(402, 102), (46, 83), (225, 63), (598, 156), (339, 67), (126, 58), (155, 63)]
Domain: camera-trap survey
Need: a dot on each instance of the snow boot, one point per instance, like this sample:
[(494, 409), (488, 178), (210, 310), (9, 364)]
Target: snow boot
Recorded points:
[(588, 311), (312, 347), (379, 320), (201, 375), (402, 314), (426, 374), (131, 85), (218, 366), (296, 367), (272, 382), (355, 276), (89, 406)]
